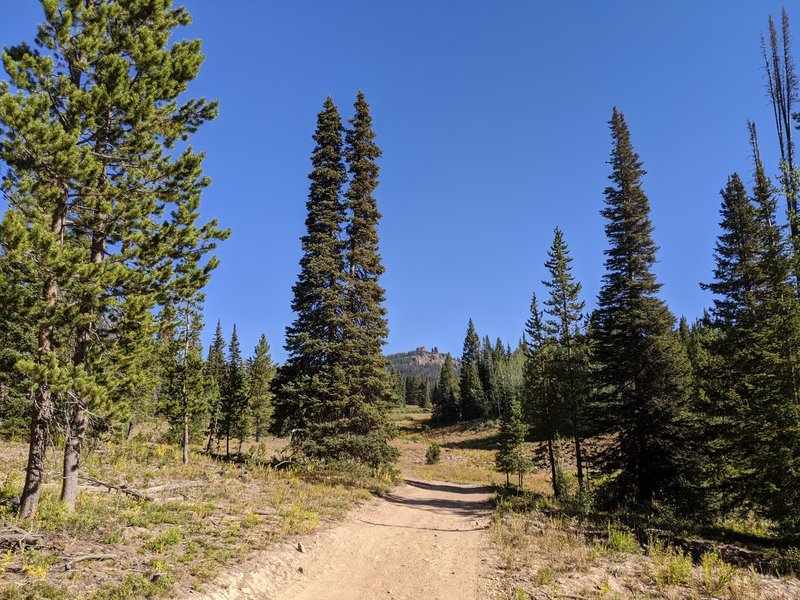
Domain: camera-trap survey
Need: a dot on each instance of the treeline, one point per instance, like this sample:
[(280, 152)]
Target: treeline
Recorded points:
[(487, 378), (696, 420)]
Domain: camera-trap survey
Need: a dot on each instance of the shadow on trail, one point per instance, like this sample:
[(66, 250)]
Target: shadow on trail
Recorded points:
[(449, 489), (450, 499)]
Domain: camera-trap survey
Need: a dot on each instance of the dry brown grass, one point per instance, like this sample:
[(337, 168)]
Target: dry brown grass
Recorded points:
[(181, 540), (548, 557)]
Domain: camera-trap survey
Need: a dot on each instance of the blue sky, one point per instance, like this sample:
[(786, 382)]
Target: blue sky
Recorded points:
[(492, 117)]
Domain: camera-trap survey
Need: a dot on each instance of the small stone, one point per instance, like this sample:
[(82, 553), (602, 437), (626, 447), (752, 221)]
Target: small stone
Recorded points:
[(300, 570), (300, 547)]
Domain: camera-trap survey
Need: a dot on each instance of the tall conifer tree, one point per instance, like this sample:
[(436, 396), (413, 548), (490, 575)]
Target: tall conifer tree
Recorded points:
[(541, 409), (234, 399), (259, 382), (644, 373), (565, 321), (473, 400), (365, 326), (446, 401), (215, 382), (753, 386)]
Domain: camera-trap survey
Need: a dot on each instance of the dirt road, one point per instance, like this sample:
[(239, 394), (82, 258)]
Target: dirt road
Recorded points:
[(423, 541)]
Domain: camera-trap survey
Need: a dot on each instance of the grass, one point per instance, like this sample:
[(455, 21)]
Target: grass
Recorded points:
[(182, 540), (543, 553)]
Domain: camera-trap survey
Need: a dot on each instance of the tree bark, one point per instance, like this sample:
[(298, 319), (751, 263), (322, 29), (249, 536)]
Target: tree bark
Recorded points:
[(42, 400), (579, 461), (184, 390), (77, 420), (552, 456)]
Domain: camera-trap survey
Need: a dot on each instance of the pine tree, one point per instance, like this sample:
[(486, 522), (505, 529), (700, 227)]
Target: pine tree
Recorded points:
[(564, 323), (215, 383), (234, 399), (446, 405), (260, 373), (422, 393), (541, 409), (510, 456), (644, 374), (473, 400), (183, 397), (308, 385), (365, 327), (91, 118), (488, 374), (751, 382)]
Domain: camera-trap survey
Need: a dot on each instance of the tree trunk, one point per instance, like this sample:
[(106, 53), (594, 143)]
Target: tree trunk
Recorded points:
[(3, 399), (185, 437), (552, 457), (579, 461), (77, 421), (212, 431), (228, 442), (76, 430), (184, 390), (42, 400)]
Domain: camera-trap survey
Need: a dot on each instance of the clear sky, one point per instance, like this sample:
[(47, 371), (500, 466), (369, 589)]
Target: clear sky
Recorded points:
[(492, 117)]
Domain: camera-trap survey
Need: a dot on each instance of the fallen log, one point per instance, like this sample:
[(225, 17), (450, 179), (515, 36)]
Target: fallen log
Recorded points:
[(11, 535), (145, 494), (122, 488), (71, 562), (168, 487), (11, 539)]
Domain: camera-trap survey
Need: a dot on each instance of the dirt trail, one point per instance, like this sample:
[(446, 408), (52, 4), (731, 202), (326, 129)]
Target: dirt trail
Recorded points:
[(423, 540)]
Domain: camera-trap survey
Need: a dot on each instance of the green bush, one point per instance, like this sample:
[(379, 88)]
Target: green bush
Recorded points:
[(672, 565), (433, 454), (620, 540)]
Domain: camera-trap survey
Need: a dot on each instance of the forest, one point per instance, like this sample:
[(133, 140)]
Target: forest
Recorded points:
[(105, 254)]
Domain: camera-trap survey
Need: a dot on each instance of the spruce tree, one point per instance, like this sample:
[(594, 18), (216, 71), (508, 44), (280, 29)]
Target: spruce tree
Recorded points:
[(183, 397), (215, 373), (91, 118), (310, 383), (541, 409), (259, 387), (234, 399), (473, 400), (565, 321), (487, 370), (446, 406), (644, 374), (751, 381), (510, 457), (365, 327)]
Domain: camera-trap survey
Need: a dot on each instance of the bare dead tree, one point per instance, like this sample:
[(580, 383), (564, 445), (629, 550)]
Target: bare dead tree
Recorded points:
[(782, 88)]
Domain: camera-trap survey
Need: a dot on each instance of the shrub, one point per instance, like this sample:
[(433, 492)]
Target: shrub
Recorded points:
[(620, 540), (433, 454), (718, 576), (672, 565)]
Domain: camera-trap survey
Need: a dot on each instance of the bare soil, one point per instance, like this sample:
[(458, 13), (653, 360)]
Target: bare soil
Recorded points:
[(426, 539)]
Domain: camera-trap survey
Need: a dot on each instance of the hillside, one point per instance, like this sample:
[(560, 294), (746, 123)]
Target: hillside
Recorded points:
[(419, 363)]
